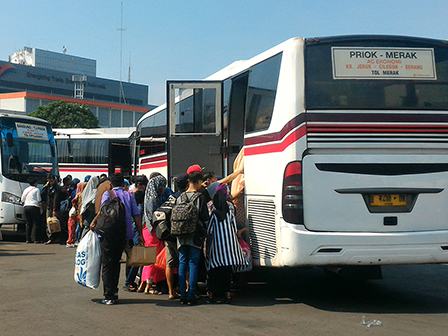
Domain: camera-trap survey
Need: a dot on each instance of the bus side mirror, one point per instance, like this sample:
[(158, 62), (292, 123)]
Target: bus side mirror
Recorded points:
[(9, 140)]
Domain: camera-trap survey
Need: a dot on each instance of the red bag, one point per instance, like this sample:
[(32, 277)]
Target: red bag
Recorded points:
[(247, 254), (161, 259), (246, 249)]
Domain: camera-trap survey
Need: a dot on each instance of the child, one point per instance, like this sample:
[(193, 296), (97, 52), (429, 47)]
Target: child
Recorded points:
[(73, 221)]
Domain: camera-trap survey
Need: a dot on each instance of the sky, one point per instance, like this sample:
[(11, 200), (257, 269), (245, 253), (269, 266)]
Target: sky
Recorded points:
[(190, 40)]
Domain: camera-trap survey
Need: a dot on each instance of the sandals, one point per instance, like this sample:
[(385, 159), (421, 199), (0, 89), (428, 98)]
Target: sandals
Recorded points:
[(193, 300), (130, 288), (141, 288), (152, 291), (173, 297)]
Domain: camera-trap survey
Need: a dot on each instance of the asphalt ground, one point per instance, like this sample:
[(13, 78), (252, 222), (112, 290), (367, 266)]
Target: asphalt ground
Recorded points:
[(38, 296)]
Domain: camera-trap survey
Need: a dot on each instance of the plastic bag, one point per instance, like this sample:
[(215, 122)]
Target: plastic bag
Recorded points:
[(88, 261), (161, 259)]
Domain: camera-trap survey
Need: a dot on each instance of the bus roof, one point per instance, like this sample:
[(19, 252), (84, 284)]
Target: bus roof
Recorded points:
[(238, 66), (94, 133), (23, 117), (374, 38)]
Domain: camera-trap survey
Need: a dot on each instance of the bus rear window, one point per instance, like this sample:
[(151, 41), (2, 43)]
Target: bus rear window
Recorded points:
[(376, 74)]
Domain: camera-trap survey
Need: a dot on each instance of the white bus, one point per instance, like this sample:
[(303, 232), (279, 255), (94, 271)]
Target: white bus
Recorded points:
[(346, 147), (28, 150), (93, 152)]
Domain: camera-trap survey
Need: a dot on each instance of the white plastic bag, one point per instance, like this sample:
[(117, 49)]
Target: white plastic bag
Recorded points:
[(88, 261)]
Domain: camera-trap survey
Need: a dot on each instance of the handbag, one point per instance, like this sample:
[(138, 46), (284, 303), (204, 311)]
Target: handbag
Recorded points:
[(53, 225), (142, 256)]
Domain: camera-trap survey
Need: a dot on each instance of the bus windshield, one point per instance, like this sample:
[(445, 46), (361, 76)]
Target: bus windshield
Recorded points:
[(376, 73), (27, 150)]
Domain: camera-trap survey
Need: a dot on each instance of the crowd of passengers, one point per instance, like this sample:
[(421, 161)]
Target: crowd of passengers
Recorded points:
[(216, 254)]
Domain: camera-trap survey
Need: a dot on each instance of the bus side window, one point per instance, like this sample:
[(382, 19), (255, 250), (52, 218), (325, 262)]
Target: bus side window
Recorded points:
[(263, 80)]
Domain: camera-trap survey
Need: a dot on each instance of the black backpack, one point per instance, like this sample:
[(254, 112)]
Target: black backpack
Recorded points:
[(162, 220), (184, 216), (111, 221)]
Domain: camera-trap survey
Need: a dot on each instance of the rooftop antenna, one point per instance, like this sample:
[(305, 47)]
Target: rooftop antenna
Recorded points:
[(121, 93)]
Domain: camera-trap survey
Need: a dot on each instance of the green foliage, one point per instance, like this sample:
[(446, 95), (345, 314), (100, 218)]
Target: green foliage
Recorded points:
[(66, 115)]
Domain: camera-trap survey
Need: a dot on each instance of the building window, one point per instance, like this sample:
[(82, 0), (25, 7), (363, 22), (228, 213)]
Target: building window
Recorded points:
[(115, 116), (128, 119), (103, 117)]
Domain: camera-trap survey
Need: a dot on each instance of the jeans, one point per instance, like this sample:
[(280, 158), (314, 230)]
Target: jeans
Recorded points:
[(133, 271), (188, 260)]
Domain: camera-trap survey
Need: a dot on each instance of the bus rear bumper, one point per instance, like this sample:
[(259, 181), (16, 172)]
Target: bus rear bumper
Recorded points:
[(300, 247)]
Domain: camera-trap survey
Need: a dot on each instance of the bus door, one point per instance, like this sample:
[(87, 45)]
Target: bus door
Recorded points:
[(120, 160), (194, 122)]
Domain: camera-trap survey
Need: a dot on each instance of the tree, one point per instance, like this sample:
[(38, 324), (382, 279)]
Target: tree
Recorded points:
[(66, 115)]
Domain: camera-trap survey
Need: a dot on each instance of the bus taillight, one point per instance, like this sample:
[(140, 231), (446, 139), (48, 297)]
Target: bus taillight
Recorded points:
[(292, 197)]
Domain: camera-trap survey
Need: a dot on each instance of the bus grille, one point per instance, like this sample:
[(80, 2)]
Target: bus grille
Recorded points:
[(261, 215), (370, 129)]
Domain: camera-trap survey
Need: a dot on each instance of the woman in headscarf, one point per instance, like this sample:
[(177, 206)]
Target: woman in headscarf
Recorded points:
[(154, 197), (87, 211), (224, 253)]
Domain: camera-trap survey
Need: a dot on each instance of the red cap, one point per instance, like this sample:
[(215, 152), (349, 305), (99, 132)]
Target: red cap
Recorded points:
[(194, 168)]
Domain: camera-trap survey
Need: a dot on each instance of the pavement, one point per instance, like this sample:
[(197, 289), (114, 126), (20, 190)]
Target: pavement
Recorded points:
[(39, 296)]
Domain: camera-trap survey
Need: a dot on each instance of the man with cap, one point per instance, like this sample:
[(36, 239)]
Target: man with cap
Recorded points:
[(202, 190), (193, 168)]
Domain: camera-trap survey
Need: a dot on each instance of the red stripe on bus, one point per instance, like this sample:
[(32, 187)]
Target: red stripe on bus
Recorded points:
[(83, 170), (153, 165), (279, 147), (376, 129), (290, 125), (153, 159)]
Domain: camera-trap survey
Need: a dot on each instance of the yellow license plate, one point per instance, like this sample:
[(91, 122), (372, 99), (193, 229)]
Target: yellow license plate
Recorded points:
[(388, 200)]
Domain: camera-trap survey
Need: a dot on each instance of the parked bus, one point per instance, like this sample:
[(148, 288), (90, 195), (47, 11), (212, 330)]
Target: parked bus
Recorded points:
[(150, 143), (28, 150), (93, 152), (346, 147)]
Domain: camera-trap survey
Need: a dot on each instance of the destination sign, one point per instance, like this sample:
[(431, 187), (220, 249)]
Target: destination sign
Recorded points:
[(383, 63), (29, 131)]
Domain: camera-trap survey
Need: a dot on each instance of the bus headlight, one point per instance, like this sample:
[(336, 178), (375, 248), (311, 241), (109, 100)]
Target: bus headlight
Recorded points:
[(11, 198)]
